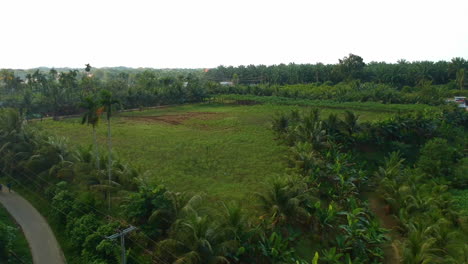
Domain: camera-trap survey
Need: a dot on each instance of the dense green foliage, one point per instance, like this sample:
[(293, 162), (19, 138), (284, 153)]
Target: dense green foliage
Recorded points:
[(13, 244), (316, 209), (398, 75), (38, 162), (320, 201), (433, 229), (353, 91), (322, 104), (7, 236), (70, 182), (59, 92), (332, 183)]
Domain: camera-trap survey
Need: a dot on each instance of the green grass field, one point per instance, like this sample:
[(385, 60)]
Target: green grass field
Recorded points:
[(20, 245), (224, 151)]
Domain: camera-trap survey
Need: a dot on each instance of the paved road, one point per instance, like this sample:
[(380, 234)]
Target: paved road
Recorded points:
[(41, 239)]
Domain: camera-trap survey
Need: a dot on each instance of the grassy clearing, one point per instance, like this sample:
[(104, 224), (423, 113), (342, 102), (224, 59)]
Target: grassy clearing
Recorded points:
[(225, 151), (20, 245)]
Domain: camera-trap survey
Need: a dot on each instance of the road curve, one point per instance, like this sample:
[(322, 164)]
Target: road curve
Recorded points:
[(41, 239)]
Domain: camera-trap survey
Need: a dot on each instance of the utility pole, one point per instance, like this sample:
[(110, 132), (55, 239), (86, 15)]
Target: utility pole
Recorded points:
[(122, 234)]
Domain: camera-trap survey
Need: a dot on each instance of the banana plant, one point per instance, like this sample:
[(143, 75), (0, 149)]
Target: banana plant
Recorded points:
[(276, 249), (331, 256)]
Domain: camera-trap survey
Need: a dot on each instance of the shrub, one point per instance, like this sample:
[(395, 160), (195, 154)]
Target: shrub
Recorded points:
[(437, 158), (460, 175), (7, 235)]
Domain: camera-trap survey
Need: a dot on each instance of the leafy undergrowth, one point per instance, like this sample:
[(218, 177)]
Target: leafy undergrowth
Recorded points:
[(461, 198), (20, 245), (355, 106), (43, 207)]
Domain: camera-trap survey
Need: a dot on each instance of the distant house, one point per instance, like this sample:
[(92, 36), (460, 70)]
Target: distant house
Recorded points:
[(226, 83), (460, 100)]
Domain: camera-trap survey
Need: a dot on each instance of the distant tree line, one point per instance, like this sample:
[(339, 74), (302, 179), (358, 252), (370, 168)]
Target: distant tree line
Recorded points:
[(402, 73), (54, 92)]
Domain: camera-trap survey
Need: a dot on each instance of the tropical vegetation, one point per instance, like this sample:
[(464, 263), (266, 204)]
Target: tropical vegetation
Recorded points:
[(345, 175)]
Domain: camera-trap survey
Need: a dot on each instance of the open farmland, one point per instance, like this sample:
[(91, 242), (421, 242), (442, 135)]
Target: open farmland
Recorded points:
[(224, 151)]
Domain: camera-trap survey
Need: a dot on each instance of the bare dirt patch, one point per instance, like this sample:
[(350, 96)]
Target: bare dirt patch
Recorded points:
[(391, 249), (176, 119)]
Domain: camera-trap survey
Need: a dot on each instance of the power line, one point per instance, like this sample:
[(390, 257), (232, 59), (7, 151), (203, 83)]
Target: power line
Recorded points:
[(45, 200), (107, 216), (74, 200), (122, 234)]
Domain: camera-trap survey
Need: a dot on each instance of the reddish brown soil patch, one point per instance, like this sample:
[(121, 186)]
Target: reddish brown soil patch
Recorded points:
[(176, 119), (391, 250)]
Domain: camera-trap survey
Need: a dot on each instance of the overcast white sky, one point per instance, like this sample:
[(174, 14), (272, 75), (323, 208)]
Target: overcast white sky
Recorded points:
[(208, 33)]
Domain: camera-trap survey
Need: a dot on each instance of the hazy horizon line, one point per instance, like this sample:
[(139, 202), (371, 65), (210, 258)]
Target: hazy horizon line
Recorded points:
[(202, 68)]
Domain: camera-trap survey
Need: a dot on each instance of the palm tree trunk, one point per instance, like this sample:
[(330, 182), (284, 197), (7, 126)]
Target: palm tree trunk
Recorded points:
[(96, 150), (109, 145), (462, 79)]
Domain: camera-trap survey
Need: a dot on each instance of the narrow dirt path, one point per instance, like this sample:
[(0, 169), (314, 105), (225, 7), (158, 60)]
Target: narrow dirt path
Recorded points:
[(41, 239), (392, 253)]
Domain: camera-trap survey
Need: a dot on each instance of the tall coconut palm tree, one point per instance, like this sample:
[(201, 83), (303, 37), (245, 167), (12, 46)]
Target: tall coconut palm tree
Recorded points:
[(457, 64), (88, 67), (91, 117), (107, 102), (460, 78)]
